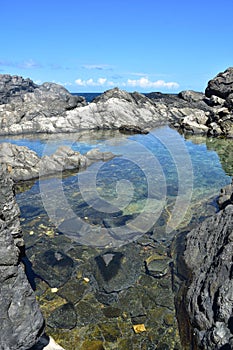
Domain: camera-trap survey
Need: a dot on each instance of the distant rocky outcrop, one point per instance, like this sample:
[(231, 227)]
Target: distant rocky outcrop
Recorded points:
[(208, 297), (49, 108), (24, 164), (22, 323)]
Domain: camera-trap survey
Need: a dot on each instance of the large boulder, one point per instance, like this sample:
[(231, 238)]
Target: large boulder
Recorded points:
[(22, 323), (221, 85), (209, 292)]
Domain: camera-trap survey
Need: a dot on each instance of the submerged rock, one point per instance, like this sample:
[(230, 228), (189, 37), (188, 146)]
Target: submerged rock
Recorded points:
[(157, 265), (63, 317), (115, 271)]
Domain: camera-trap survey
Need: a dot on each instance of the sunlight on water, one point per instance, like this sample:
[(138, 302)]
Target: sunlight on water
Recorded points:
[(155, 180)]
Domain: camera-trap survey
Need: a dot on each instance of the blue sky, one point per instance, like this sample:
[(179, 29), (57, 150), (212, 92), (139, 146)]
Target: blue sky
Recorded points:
[(137, 45)]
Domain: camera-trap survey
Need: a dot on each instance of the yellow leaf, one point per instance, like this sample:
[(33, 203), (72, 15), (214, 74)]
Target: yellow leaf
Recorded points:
[(139, 328)]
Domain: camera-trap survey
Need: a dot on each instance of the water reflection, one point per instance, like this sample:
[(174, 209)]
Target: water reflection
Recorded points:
[(223, 148), (154, 185)]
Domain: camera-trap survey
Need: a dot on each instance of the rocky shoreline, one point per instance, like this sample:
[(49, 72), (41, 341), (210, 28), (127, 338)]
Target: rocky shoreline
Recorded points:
[(49, 108), (206, 296)]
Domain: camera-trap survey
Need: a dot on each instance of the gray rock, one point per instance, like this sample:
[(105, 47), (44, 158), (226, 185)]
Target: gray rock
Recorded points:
[(209, 296), (229, 101), (221, 85), (21, 320), (195, 123), (32, 108), (13, 87), (50, 108), (216, 101), (226, 196), (191, 96), (218, 119), (24, 164)]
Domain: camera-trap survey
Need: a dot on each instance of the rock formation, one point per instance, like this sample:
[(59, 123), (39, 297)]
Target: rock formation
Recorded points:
[(219, 97), (26, 107), (208, 298), (21, 320), (221, 85), (12, 87), (49, 108), (24, 164)]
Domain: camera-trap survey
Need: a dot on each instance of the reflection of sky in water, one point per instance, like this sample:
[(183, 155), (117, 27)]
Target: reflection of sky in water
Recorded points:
[(163, 159)]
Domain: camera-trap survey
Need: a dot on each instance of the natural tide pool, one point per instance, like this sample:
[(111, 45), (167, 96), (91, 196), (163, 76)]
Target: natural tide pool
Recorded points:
[(99, 241)]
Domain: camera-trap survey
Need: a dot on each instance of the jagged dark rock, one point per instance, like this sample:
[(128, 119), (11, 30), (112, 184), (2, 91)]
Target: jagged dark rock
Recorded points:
[(14, 86), (208, 297), (21, 320), (221, 85)]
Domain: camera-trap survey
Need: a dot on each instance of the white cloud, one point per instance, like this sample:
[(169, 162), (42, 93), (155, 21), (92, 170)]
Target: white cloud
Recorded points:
[(66, 83), (102, 81), (80, 82), (144, 83), (91, 82)]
